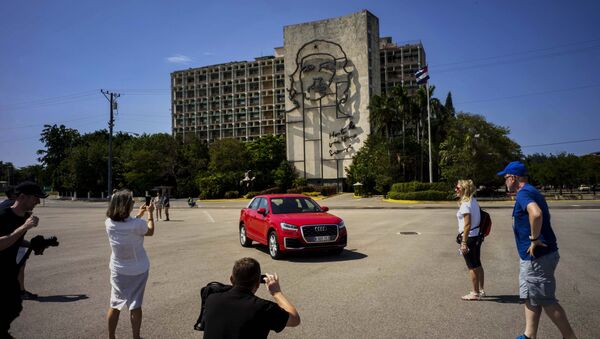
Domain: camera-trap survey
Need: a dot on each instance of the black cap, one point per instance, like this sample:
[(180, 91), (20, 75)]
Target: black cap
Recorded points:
[(30, 188)]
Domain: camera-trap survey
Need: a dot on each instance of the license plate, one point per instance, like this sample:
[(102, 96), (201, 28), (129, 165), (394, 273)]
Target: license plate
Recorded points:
[(323, 238)]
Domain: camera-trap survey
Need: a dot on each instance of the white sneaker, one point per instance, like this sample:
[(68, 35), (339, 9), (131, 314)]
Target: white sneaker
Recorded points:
[(481, 293)]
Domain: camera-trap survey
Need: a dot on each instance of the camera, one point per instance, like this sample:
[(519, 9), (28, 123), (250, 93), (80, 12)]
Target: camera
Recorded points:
[(39, 243), (262, 278), (148, 199)]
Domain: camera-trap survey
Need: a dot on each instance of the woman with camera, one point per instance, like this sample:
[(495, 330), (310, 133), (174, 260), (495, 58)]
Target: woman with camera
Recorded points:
[(129, 264), (469, 217)]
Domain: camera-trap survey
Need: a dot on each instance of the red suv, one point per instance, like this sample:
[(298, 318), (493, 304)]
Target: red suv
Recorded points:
[(291, 222)]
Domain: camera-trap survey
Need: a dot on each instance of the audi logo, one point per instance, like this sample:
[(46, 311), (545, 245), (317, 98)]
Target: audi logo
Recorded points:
[(320, 228)]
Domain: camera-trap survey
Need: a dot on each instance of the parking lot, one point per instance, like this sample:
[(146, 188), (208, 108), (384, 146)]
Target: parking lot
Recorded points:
[(384, 285)]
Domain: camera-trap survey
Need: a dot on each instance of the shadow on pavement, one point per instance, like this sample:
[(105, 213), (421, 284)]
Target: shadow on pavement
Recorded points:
[(317, 256), (61, 298), (503, 299)]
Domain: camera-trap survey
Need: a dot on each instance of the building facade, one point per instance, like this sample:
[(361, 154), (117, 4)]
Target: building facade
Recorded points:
[(243, 100), (315, 90)]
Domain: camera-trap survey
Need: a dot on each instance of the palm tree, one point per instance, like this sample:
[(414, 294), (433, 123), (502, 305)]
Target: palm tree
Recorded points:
[(382, 115)]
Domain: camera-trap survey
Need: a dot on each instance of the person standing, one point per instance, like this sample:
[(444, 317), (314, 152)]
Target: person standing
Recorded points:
[(469, 218), (166, 204), (238, 313), (129, 264), (538, 252), (158, 205), (15, 221)]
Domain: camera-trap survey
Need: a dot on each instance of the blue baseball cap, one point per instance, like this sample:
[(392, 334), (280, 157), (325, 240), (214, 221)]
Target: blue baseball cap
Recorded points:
[(514, 168)]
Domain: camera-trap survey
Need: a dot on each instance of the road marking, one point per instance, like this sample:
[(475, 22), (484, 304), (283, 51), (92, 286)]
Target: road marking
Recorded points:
[(209, 217), (575, 205)]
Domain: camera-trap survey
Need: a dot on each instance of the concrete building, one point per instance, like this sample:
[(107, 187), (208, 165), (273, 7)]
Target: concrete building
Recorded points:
[(399, 63), (235, 100), (315, 90)]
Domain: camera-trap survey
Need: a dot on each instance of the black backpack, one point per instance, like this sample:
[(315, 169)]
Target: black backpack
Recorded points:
[(210, 288)]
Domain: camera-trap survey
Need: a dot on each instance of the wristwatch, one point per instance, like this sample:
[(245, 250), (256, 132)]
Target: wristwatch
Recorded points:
[(533, 239)]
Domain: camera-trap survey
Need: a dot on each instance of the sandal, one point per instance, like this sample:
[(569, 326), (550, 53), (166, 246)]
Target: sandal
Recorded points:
[(472, 296)]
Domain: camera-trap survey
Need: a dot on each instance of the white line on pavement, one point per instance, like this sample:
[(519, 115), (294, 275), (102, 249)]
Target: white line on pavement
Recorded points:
[(209, 217)]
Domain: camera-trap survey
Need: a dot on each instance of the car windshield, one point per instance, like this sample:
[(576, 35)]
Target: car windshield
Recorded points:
[(294, 205)]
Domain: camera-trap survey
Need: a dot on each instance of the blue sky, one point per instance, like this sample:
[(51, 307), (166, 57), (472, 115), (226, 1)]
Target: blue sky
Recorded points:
[(529, 65)]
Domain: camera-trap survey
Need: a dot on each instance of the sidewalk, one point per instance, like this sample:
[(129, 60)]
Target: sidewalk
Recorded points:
[(340, 201)]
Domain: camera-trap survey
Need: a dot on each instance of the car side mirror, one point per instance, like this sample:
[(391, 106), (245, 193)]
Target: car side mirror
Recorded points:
[(262, 211), (324, 208)]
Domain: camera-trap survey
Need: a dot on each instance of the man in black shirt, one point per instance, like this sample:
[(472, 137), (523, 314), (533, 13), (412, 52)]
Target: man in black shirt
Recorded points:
[(15, 221), (238, 313)]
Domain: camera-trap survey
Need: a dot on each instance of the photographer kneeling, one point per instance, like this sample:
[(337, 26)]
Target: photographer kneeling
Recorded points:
[(238, 313), (15, 221)]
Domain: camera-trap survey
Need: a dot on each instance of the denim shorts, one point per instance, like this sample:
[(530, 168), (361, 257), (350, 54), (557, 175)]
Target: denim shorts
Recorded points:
[(536, 279)]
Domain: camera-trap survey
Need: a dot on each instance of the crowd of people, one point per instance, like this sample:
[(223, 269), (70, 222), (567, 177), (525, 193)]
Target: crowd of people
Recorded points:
[(237, 312)]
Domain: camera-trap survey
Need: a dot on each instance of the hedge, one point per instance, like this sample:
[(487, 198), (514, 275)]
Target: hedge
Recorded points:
[(272, 190), (416, 186), (232, 194), (420, 195), (251, 194)]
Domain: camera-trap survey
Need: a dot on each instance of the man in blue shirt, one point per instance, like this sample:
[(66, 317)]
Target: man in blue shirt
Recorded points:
[(538, 250)]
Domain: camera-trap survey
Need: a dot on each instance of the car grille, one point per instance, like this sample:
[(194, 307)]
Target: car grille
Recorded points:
[(318, 233)]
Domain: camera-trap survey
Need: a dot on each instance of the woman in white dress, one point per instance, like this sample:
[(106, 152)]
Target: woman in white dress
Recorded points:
[(129, 264)]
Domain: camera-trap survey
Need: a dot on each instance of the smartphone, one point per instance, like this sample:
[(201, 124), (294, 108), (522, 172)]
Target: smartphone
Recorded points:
[(148, 199), (262, 278)]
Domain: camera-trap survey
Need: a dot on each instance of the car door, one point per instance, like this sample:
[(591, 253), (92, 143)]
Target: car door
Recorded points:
[(262, 220), (250, 218)]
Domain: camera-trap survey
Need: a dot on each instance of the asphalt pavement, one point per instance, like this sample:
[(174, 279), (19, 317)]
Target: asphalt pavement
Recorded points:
[(388, 283)]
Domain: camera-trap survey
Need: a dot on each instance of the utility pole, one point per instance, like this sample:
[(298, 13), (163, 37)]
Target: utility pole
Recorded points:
[(111, 97)]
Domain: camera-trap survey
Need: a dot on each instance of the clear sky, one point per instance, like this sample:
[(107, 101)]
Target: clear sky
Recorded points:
[(530, 65)]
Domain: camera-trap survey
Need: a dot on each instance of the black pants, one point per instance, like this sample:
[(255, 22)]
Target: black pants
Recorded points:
[(10, 299), (472, 258)]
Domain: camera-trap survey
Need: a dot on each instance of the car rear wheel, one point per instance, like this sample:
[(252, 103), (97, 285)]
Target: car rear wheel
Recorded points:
[(244, 240), (274, 246)]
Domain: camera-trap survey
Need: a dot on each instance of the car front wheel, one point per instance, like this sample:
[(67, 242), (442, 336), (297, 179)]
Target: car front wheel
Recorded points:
[(244, 240), (274, 246)]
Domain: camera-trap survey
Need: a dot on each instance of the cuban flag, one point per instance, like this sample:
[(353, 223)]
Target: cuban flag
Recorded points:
[(422, 75)]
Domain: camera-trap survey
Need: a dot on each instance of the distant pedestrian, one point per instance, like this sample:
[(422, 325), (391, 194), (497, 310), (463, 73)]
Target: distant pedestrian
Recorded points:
[(166, 204), (191, 202), (157, 201), (469, 218), (129, 264), (538, 250)]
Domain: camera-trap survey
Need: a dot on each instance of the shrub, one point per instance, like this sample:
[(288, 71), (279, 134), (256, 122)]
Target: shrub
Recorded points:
[(416, 186), (272, 190), (328, 190), (232, 194), (295, 190), (251, 195), (420, 195)]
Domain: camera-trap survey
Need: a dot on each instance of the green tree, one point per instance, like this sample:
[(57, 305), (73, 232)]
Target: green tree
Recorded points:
[(284, 175), (475, 149), (58, 140), (192, 162), (149, 161), (371, 166), (228, 155)]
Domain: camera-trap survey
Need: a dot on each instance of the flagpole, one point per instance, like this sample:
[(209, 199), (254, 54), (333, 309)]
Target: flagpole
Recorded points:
[(429, 132)]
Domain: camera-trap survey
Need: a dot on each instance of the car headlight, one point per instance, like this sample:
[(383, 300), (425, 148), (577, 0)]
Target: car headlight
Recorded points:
[(341, 224), (288, 227)]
